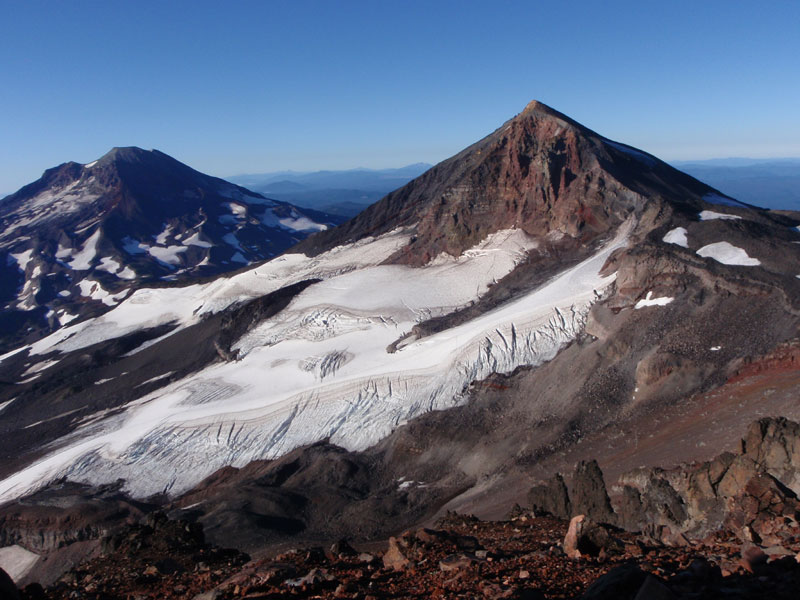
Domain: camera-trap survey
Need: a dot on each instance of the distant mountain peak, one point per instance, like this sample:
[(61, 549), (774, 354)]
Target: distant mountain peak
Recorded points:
[(85, 235)]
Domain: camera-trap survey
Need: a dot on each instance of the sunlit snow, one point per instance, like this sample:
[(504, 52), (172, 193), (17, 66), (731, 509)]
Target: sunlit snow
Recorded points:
[(728, 254), (194, 240), (710, 215), (677, 236), (650, 301), (17, 561), (82, 260)]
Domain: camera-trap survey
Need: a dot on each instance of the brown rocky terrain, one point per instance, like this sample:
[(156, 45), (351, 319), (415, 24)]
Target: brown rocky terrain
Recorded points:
[(718, 529)]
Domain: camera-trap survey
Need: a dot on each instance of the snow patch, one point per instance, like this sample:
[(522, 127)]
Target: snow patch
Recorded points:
[(710, 215), (132, 246), (23, 258), (109, 265), (677, 236), (161, 238), (82, 260), (168, 255), (231, 240), (127, 273), (64, 317), (302, 224), (650, 301), (17, 561), (39, 367), (92, 289), (728, 254)]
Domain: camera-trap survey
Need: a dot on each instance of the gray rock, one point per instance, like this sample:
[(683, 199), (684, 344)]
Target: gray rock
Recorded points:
[(589, 494), (551, 497)]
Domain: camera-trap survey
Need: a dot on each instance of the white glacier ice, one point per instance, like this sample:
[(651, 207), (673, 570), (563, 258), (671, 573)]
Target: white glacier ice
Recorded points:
[(320, 368)]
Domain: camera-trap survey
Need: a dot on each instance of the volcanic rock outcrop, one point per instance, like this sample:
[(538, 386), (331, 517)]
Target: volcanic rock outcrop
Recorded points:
[(752, 493)]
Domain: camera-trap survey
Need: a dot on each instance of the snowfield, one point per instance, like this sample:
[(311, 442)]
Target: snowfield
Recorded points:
[(728, 254), (322, 367)]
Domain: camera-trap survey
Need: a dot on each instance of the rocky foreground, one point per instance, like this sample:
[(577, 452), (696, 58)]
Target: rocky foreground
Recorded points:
[(526, 556), (726, 528)]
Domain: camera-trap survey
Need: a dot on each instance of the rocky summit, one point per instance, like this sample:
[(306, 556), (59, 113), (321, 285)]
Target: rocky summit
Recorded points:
[(549, 319)]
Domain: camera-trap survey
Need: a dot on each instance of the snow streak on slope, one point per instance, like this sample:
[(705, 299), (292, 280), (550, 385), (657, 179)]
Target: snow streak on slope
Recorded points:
[(321, 368), (148, 307)]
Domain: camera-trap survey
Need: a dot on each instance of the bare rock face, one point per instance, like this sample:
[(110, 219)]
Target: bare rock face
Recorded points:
[(540, 171), (662, 500), (742, 493), (774, 445), (62, 515), (765, 506), (551, 498), (589, 494)]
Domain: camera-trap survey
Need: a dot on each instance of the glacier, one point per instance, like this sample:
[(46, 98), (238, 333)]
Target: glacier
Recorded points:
[(321, 368)]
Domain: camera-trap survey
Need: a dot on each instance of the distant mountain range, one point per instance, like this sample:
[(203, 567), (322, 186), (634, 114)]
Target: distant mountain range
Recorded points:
[(336, 192), (771, 183)]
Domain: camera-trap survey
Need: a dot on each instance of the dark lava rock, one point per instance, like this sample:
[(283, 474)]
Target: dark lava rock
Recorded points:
[(551, 498), (8, 590), (589, 495), (621, 583)]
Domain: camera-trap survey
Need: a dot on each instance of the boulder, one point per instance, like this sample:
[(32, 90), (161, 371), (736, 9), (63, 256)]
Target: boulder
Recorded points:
[(8, 589), (456, 562), (342, 548), (585, 538), (763, 507), (620, 583), (395, 558)]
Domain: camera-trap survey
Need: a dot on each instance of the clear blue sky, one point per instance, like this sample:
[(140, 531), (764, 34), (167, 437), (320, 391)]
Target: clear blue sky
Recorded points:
[(234, 87)]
